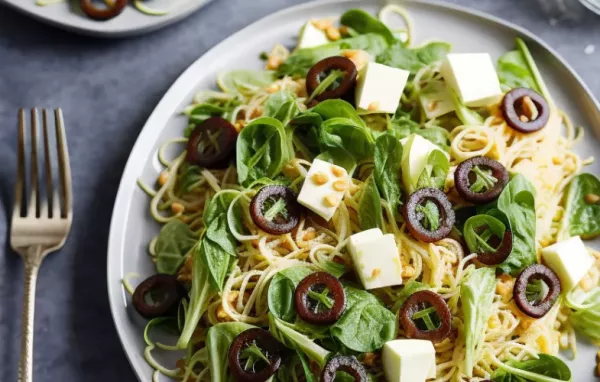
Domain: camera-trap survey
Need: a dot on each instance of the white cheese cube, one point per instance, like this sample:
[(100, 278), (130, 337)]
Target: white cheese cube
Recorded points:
[(473, 77), (408, 360), (324, 188), (570, 260), (379, 88), (311, 36), (376, 259), (436, 100), (416, 150)]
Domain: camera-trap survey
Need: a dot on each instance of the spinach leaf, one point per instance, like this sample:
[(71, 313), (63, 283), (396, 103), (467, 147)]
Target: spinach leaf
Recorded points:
[(343, 134), (339, 157), (362, 22), (281, 292), (582, 207), (337, 108), (518, 69), (218, 245), (282, 106), (173, 243), (586, 316), (387, 158), (287, 335), (413, 59), (244, 81), (435, 171), (402, 126), (467, 116), (407, 291), (262, 150), (218, 340), (366, 324), (477, 295), (369, 207), (546, 368), (201, 292), (517, 203), (301, 60)]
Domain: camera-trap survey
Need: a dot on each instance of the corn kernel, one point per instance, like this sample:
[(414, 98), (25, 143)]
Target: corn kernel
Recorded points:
[(273, 62), (408, 271), (331, 200), (162, 178), (340, 185), (373, 106), (319, 178), (273, 89), (337, 171), (309, 235), (344, 30), (333, 33), (177, 208), (323, 24)]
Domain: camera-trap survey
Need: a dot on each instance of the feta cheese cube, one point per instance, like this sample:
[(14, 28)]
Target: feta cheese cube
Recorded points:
[(473, 77), (436, 100), (324, 188), (416, 150), (379, 88), (311, 36), (570, 260), (376, 259), (408, 360)]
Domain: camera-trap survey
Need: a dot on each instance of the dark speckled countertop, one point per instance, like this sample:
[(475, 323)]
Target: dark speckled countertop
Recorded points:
[(107, 89)]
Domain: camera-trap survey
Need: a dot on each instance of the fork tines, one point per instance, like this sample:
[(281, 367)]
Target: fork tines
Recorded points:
[(46, 192)]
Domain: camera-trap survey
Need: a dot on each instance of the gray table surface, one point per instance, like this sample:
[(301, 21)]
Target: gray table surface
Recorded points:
[(107, 89)]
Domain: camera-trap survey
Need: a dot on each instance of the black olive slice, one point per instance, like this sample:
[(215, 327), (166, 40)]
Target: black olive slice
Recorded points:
[(513, 109), (347, 364), (322, 69), (421, 206), (212, 143), (480, 180), (257, 340), (502, 251), (320, 299), (536, 309), (275, 209), (158, 296), (418, 307), (101, 14)]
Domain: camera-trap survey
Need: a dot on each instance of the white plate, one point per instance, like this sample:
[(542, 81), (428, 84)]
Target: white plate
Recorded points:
[(132, 226), (130, 22)]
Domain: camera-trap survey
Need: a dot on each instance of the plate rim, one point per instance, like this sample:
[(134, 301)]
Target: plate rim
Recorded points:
[(127, 182), (115, 32)]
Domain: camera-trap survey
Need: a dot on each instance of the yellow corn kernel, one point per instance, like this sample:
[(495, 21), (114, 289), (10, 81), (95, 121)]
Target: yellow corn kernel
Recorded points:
[(177, 208), (309, 235), (162, 178), (333, 33), (331, 200), (337, 171), (493, 322), (408, 271), (273, 89), (503, 289), (374, 106), (273, 62), (340, 185), (359, 57), (543, 344), (344, 30), (319, 178), (323, 24), (557, 160)]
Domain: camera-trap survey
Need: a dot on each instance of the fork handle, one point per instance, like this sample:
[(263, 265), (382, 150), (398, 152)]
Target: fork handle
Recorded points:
[(32, 262)]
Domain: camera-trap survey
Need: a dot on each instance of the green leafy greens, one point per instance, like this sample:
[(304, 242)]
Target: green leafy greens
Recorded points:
[(218, 340), (582, 206), (546, 368), (387, 158), (369, 207), (586, 315), (173, 243), (413, 59), (362, 22)]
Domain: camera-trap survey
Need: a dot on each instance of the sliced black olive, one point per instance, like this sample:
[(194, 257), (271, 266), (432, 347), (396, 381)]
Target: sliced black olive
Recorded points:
[(320, 299), (93, 12), (418, 321), (480, 180), (254, 356), (212, 143), (429, 215), (514, 107), (322, 69), (501, 253), (536, 309), (158, 296), (347, 364), (275, 209)]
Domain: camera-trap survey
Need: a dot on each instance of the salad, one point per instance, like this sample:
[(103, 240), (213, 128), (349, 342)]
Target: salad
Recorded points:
[(369, 209)]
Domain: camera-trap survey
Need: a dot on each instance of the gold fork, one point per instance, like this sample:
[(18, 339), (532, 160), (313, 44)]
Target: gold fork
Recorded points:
[(43, 211)]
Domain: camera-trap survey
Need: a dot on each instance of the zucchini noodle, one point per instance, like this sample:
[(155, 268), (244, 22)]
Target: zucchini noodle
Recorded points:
[(545, 157)]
